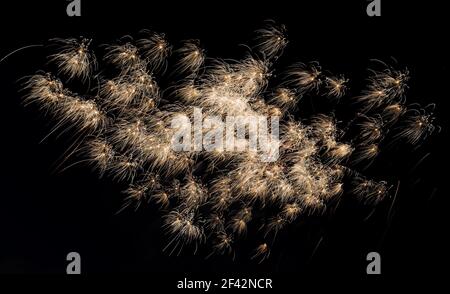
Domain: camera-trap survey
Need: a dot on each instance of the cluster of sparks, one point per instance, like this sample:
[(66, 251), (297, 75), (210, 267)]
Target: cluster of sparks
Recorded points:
[(210, 198)]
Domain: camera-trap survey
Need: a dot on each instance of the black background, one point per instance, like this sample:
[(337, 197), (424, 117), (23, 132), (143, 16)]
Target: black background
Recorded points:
[(45, 214)]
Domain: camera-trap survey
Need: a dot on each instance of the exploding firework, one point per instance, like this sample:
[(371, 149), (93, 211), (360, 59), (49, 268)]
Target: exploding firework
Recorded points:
[(215, 198)]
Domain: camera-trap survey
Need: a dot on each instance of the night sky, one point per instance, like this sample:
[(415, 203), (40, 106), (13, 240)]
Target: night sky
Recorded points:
[(46, 213)]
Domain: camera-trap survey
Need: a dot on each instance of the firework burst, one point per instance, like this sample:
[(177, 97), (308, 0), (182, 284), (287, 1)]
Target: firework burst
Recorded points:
[(215, 198)]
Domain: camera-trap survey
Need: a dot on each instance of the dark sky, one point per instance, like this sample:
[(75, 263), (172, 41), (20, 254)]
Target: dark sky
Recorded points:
[(46, 214)]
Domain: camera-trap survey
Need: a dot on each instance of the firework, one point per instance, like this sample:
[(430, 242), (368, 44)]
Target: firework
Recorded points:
[(336, 86), (155, 49), (74, 58), (271, 40), (217, 197)]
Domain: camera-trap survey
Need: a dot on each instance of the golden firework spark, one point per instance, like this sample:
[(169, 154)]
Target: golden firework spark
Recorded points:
[(217, 197)]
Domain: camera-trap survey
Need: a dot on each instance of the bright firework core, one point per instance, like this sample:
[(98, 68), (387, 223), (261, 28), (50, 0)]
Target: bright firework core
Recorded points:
[(127, 127)]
